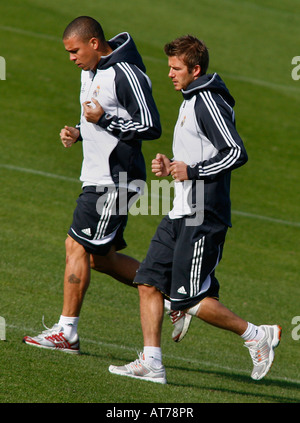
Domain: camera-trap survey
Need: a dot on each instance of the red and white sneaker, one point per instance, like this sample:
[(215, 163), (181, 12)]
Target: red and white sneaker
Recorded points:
[(54, 339), (181, 322)]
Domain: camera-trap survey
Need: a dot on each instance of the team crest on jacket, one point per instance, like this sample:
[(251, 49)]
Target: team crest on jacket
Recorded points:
[(96, 91), (183, 121)]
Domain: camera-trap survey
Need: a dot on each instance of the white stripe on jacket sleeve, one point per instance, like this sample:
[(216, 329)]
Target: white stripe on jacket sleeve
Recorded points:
[(145, 114), (235, 150)]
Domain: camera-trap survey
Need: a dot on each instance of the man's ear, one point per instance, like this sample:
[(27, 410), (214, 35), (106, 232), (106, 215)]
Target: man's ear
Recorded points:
[(197, 71), (94, 42)]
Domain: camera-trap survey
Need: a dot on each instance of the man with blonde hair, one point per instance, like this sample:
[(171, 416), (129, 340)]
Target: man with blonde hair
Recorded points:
[(185, 250)]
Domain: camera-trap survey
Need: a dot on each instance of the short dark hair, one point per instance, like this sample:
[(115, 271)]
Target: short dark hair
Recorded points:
[(84, 27), (193, 51)]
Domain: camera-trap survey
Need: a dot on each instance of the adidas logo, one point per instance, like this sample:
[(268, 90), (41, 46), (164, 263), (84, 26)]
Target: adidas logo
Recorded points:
[(87, 231), (181, 290)]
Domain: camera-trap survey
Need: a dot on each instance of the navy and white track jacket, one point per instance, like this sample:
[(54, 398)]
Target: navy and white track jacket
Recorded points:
[(206, 139), (113, 145)]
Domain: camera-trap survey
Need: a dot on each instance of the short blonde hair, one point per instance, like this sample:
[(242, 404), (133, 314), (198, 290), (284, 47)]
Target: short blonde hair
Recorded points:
[(193, 51)]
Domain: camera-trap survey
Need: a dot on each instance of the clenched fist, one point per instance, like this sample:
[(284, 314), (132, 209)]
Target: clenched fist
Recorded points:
[(69, 135)]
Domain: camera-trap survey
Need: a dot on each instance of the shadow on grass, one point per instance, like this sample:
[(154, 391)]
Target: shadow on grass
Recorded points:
[(245, 380), (259, 390)]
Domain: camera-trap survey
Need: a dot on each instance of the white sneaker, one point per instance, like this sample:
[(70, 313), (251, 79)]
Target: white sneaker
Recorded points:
[(181, 322), (140, 369), (262, 351), (54, 339)]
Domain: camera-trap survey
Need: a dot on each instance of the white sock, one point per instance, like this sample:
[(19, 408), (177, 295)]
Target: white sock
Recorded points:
[(193, 310), (69, 325), (252, 333), (153, 356), (167, 305)]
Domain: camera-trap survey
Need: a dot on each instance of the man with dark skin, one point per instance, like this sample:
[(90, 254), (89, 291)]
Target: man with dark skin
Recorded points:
[(113, 122)]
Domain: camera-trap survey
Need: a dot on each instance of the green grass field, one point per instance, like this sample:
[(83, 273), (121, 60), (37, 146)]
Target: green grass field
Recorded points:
[(251, 45)]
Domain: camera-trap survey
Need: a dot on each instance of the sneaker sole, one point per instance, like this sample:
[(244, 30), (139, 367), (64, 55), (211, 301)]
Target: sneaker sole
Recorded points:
[(66, 350), (274, 344), (160, 380), (185, 329)]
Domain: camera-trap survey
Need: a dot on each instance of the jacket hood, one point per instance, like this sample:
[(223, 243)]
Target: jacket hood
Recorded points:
[(211, 82), (124, 50)]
